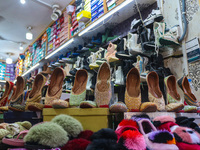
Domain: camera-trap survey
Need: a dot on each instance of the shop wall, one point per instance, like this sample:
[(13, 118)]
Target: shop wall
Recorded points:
[(180, 66)]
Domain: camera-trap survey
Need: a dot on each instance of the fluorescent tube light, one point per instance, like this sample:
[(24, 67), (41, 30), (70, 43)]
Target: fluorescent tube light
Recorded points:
[(14, 81), (31, 69), (60, 48), (105, 16), (3, 81)]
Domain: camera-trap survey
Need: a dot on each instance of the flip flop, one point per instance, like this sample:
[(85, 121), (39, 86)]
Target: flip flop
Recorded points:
[(16, 141)]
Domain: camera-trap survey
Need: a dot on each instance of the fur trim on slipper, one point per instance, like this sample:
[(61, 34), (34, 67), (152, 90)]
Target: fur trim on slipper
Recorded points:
[(76, 144), (71, 125), (47, 134)]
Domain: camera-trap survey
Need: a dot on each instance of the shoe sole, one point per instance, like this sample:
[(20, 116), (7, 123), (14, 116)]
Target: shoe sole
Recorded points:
[(150, 108), (58, 106), (33, 108), (167, 42), (15, 109), (177, 109)]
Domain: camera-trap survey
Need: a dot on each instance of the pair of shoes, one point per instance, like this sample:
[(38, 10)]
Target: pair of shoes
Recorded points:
[(133, 94)]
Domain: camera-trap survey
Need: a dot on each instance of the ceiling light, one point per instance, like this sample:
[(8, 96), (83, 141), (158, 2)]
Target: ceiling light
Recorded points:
[(56, 12), (23, 1), (21, 46), (104, 17), (29, 35), (9, 60)]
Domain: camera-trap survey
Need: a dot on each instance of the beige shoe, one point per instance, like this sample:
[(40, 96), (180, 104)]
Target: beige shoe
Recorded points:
[(110, 55), (155, 94), (103, 86), (54, 90), (133, 94)]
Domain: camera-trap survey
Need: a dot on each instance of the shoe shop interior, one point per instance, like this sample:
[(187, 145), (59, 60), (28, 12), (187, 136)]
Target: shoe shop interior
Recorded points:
[(99, 75)]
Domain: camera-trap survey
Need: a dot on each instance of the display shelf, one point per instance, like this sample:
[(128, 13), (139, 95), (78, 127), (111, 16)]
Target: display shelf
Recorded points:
[(115, 16)]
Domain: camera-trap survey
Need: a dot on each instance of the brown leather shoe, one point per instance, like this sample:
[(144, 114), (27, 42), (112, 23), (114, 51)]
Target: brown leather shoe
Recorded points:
[(54, 90), (35, 94), (47, 71), (79, 89), (18, 98), (155, 94), (103, 86), (190, 98)]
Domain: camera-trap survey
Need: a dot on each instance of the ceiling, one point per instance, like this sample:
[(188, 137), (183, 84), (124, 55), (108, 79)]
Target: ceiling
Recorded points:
[(16, 17)]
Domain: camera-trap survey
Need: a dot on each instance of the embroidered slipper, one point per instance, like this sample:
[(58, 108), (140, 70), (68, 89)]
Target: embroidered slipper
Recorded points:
[(16, 141), (34, 106)]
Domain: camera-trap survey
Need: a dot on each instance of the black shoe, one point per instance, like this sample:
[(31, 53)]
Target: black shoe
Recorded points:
[(122, 51), (94, 78), (73, 72)]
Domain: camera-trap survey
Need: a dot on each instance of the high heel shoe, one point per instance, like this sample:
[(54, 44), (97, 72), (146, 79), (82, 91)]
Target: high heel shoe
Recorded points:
[(79, 89), (18, 98), (103, 86), (54, 90), (35, 95)]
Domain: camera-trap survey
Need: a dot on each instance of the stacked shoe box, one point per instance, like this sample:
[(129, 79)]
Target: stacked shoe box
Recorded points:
[(44, 45), (2, 71), (110, 4), (74, 28), (64, 28), (49, 40), (84, 16), (10, 72), (97, 9)]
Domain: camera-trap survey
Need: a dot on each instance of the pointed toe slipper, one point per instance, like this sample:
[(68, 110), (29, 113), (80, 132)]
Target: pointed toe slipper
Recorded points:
[(78, 93), (32, 106), (174, 107)]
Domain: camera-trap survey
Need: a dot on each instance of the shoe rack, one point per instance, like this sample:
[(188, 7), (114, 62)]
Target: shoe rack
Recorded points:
[(122, 11)]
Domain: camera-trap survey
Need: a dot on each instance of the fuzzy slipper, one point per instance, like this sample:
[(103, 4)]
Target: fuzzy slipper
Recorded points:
[(88, 104), (118, 107), (3, 125), (71, 125), (156, 140), (60, 104), (46, 134), (186, 138), (76, 144)]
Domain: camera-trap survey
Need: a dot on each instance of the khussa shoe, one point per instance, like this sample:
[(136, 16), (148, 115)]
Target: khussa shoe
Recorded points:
[(103, 86), (173, 98), (12, 93), (4, 98), (190, 98), (18, 98), (47, 71), (79, 89), (133, 94), (54, 90), (35, 95), (155, 94)]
